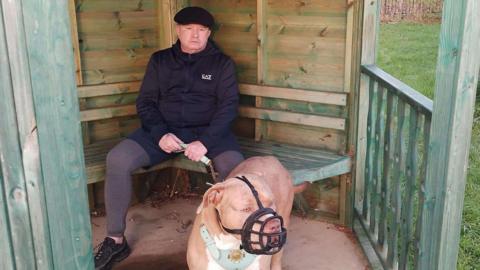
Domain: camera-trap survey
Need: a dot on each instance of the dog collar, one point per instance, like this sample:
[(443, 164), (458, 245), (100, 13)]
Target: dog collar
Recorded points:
[(229, 259)]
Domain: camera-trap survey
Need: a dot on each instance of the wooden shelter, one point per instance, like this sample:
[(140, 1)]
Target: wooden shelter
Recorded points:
[(385, 160)]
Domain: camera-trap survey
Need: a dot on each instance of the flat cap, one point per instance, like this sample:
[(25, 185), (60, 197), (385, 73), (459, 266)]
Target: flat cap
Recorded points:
[(195, 15)]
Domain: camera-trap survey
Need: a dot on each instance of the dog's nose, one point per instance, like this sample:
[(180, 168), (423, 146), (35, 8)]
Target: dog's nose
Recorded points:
[(273, 226)]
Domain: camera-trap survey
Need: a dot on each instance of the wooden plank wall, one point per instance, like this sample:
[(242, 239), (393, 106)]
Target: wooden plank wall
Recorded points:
[(454, 107), (116, 38), (44, 218), (115, 41), (294, 44), (304, 47)]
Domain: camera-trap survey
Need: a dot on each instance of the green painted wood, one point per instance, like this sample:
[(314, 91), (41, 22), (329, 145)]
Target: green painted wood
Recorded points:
[(354, 103), (17, 223), (27, 135), (387, 164), (388, 227), (367, 182), (370, 11), (405, 92), (8, 243), (366, 243), (407, 222), (456, 80), (420, 251), (377, 161), (304, 164), (6, 250), (52, 72), (395, 195)]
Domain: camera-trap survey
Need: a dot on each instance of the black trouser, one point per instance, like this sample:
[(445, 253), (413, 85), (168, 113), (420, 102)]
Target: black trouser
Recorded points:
[(128, 156)]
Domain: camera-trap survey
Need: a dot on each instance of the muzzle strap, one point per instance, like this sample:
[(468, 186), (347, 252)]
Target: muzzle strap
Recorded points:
[(252, 188)]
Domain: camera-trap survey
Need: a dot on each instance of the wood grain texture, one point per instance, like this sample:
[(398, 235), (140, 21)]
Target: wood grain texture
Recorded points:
[(49, 46), (385, 189), (23, 178), (407, 219), (455, 88), (109, 112), (294, 94), (116, 41), (262, 59), (75, 41), (17, 223), (355, 7), (370, 29), (293, 118), (304, 164)]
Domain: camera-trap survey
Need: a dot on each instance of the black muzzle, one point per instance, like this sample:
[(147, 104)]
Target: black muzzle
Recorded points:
[(256, 233)]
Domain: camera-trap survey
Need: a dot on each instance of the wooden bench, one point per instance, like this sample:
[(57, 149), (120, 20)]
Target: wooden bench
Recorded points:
[(304, 163)]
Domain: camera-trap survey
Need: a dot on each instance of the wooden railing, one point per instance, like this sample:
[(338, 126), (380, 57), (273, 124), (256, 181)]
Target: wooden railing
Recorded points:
[(390, 200)]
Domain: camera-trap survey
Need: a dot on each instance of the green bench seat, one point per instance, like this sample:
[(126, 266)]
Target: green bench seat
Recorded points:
[(304, 164)]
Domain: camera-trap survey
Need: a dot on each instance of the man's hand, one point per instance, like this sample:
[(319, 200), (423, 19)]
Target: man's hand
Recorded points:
[(170, 143), (195, 150)]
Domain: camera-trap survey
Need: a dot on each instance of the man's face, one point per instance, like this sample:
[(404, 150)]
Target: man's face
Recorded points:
[(193, 37)]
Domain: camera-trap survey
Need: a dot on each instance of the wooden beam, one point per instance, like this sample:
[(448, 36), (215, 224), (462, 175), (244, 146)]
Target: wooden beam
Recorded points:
[(166, 36), (293, 118), (75, 41), (331, 98), (55, 102), (107, 113), (370, 29), (415, 99), (453, 108), (109, 89), (260, 127), (349, 45), (16, 247), (354, 99), (26, 218)]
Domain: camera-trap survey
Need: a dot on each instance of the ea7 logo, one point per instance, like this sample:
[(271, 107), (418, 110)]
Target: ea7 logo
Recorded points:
[(207, 77)]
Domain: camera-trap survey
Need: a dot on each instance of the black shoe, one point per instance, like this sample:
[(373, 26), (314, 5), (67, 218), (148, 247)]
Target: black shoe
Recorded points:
[(108, 253)]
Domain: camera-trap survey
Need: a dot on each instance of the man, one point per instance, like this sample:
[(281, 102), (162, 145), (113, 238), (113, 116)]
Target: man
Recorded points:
[(189, 95)]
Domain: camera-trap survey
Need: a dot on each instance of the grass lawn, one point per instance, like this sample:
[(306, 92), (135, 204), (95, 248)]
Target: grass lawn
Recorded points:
[(409, 52)]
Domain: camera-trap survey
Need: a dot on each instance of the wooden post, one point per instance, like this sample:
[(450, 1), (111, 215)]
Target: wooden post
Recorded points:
[(16, 246), (260, 125), (75, 41), (351, 85), (166, 36), (456, 80), (166, 11), (45, 218), (371, 25)]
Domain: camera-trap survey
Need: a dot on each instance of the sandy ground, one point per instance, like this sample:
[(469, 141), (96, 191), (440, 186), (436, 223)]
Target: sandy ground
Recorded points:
[(158, 236)]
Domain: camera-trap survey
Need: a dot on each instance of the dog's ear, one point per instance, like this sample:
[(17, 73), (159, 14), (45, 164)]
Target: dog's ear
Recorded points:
[(212, 196)]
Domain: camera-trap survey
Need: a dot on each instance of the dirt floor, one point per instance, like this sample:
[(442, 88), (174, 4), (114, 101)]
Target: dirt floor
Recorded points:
[(158, 235)]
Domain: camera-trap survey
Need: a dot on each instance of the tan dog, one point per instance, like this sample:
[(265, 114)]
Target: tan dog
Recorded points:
[(231, 202)]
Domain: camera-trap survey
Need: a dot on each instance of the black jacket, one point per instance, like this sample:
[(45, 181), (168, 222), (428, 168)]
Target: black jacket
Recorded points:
[(182, 90)]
